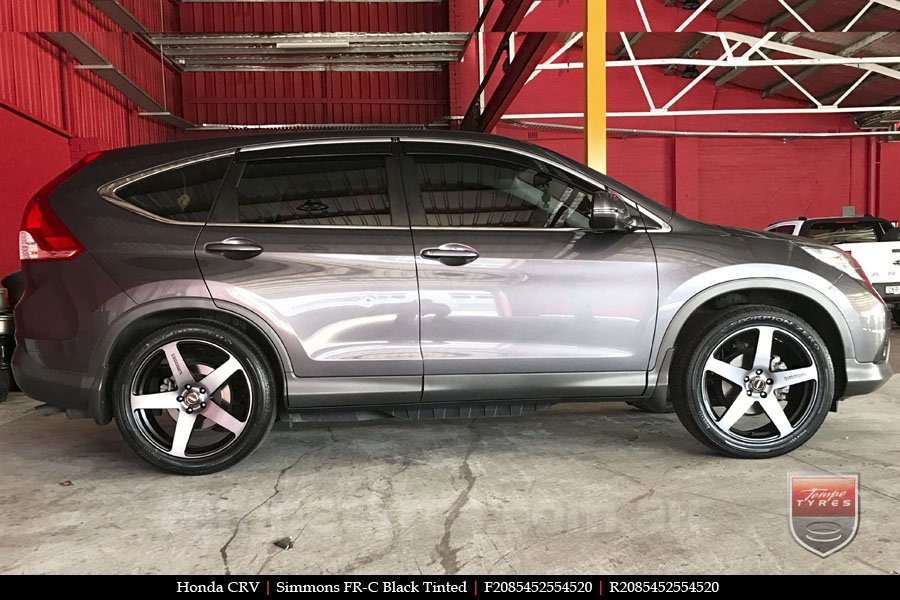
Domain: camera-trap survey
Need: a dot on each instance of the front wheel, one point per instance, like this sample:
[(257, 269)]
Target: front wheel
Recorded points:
[(194, 398), (754, 382)]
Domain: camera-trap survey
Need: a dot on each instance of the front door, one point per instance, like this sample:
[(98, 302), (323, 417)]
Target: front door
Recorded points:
[(315, 239), (519, 298)]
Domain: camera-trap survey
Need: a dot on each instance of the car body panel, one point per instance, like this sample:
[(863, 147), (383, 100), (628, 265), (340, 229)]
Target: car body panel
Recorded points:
[(135, 267)]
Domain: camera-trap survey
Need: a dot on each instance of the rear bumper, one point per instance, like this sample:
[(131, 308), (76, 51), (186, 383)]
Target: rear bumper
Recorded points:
[(865, 378), (75, 392)]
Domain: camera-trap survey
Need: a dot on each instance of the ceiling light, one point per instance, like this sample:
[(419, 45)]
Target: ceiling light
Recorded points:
[(690, 72)]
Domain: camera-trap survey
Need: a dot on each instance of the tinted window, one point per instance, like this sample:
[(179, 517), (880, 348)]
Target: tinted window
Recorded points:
[(183, 194), (786, 229), (462, 191), (844, 232), (350, 190)]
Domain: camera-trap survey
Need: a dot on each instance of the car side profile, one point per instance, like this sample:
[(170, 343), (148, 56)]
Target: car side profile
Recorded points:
[(195, 291)]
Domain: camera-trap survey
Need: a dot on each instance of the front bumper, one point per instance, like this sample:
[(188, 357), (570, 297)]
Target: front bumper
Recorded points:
[(865, 378)]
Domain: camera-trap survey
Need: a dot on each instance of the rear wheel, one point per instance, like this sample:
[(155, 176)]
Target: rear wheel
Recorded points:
[(194, 398), (754, 382)]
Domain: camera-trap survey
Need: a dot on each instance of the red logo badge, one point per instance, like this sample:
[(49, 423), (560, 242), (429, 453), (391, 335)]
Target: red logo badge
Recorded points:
[(823, 511)]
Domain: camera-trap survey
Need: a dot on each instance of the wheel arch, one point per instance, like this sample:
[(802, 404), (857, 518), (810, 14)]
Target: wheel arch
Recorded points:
[(139, 322), (806, 302)]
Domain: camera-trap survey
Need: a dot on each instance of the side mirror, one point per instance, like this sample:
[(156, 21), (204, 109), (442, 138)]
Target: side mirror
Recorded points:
[(608, 213)]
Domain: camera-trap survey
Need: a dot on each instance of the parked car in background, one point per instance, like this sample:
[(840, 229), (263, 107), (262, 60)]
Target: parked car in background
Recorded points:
[(872, 241), (196, 290)]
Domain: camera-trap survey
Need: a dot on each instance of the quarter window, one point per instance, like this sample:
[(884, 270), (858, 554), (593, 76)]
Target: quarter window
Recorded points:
[(348, 191), (462, 191), (181, 194)]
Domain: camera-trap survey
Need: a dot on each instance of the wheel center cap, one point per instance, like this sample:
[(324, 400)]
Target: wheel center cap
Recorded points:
[(193, 398), (758, 384)]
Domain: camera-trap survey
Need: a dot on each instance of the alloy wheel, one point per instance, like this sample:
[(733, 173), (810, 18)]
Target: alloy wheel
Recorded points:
[(759, 384)]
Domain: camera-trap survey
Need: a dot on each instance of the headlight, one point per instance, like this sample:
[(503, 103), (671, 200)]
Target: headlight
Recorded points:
[(840, 260)]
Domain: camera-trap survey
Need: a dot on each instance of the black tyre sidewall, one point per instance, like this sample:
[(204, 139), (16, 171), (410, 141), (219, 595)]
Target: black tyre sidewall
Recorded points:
[(257, 369), (689, 400)]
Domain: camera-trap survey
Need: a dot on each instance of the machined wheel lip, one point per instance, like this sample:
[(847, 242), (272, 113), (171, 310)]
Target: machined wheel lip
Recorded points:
[(757, 387), (189, 410)]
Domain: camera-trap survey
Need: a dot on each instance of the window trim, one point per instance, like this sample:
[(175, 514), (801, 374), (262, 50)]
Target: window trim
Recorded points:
[(109, 191), (664, 227), (392, 171)]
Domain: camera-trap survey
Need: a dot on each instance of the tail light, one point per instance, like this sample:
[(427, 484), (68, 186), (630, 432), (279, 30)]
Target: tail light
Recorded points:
[(43, 236)]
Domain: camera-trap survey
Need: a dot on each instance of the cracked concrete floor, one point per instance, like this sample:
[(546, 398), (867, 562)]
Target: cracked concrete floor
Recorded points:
[(580, 489)]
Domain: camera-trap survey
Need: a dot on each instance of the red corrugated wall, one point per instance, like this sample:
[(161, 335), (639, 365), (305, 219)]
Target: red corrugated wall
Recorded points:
[(250, 97), (51, 113), (229, 17)]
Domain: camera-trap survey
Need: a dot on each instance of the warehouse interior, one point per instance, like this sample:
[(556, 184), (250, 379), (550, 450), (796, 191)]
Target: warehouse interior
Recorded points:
[(741, 113)]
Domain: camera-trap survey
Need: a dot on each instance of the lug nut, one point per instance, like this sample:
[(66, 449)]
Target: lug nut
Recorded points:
[(749, 393), (202, 390), (758, 372), (188, 386), (203, 405), (763, 394), (189, 410), (180, 398), (746, 379), (769, 381)]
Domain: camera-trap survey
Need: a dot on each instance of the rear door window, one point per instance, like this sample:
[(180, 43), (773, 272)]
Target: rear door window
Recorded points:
[(348, 191), (180, 194)]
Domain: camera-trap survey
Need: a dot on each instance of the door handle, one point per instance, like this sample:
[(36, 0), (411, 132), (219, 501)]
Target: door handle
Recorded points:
[(235, 248), (453, 255)]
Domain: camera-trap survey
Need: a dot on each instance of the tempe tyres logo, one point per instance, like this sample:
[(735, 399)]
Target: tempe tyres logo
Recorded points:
[(823, 511)]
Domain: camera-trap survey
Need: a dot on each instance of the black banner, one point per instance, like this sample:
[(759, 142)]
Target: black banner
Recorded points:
[(446, 586)]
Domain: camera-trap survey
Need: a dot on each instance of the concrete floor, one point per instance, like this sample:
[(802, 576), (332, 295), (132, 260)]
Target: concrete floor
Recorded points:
[(581, 489)]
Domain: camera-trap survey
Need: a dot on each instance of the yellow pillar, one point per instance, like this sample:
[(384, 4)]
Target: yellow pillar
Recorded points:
[(595, 84)]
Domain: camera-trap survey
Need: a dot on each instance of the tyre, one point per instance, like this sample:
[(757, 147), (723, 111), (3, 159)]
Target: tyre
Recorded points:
[(194, 398), (5, 384), (753, 382), (895, 312)]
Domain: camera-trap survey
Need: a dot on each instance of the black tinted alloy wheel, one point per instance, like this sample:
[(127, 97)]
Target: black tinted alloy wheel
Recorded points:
[(194, 398), (755, 382)]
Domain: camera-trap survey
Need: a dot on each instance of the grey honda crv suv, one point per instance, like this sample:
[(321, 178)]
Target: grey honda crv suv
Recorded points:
[(196, 291)]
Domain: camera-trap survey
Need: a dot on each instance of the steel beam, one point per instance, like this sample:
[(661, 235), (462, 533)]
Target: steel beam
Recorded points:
[(511, 15), (699, 43), (529, 55), (595, 84), (786, 15), (729, 8), (100, 66), (632, 41), (120, 15), (810, 71)]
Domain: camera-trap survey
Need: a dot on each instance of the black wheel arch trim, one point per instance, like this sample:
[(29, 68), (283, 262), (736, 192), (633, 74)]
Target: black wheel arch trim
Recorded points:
[(100, 407), (687, 310)]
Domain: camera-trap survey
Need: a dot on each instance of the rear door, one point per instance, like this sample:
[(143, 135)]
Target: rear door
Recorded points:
[(515, 288), (315, 239)]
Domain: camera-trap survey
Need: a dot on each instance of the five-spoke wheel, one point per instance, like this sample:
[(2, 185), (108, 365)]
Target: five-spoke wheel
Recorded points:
[(756, 381), (195, 398)]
